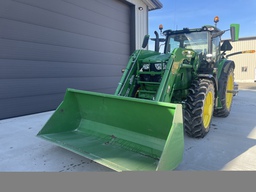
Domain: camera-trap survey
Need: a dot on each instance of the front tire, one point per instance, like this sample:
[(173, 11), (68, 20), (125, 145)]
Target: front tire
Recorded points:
[(199, 108)]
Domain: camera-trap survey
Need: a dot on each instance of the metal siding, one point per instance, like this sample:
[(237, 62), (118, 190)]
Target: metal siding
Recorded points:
[(141, 21), (48, 46), (244, 60)]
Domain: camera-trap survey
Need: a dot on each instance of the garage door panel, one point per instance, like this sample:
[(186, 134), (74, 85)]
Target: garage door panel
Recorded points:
[(33, 87), (14, 30), (29, 105), (33, 104), (17, 69), (39, 52), (51, 45), (107, 8), (45, 18)]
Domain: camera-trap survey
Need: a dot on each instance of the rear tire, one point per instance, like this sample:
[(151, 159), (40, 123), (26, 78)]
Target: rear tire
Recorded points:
[(199, 108), (226, 82)]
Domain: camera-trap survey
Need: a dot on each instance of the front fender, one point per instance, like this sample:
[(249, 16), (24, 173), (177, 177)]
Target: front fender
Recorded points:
[(224, 66)]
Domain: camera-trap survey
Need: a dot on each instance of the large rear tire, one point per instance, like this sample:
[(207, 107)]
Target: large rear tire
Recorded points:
[(199, 108), (226, 86)]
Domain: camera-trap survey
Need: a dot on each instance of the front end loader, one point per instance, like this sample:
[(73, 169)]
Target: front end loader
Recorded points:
[(159, 97)]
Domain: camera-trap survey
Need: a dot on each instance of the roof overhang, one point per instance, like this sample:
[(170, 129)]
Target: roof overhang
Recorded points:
[(153, 4)]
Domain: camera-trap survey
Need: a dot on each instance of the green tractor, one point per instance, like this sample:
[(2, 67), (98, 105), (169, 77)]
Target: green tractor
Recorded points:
[(160, 96), (192, 71)]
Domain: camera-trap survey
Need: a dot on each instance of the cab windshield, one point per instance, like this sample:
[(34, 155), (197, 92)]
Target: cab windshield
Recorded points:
[(198, 41)]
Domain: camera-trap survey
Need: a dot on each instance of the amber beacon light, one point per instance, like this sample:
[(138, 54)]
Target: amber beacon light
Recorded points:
[(216, 19)]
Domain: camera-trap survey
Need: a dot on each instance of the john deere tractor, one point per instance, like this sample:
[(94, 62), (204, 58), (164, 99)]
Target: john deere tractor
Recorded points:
[(159, 97), (192, 71)]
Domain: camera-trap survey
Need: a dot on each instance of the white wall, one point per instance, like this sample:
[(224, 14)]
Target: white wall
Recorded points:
[(247, 60), (141, 21)]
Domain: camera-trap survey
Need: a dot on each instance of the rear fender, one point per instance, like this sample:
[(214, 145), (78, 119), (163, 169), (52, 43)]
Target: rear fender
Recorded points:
[(225, 66)]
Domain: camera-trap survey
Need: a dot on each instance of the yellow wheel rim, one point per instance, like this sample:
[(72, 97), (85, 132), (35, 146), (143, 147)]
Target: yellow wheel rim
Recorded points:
[(207, 110), (230, 87)]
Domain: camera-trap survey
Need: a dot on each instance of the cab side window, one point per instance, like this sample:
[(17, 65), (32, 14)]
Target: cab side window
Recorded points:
[(216, 49)]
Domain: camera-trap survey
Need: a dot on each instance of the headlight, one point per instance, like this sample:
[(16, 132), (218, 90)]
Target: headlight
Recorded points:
[(146, 66), (158, 66)]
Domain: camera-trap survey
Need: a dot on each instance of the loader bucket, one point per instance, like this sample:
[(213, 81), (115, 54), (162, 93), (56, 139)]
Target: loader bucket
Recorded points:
[(124, 134)]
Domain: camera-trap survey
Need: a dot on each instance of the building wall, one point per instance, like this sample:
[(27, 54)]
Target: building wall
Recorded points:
[(141, 21), (245, 70)]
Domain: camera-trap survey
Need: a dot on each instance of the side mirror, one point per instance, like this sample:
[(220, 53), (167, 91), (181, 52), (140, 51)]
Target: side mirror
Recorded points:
[(234, 32), (226, 46), (145, 41)]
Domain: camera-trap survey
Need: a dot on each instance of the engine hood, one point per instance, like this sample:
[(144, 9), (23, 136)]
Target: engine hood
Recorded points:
[(157, 58)]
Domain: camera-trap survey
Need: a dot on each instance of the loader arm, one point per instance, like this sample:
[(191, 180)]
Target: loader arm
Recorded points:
[(158, 85)]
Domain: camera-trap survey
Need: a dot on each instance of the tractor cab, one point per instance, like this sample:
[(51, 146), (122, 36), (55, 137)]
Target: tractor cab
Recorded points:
[(204, 41)]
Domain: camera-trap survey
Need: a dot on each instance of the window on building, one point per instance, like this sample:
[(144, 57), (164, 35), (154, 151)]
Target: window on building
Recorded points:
[(244, 69)]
